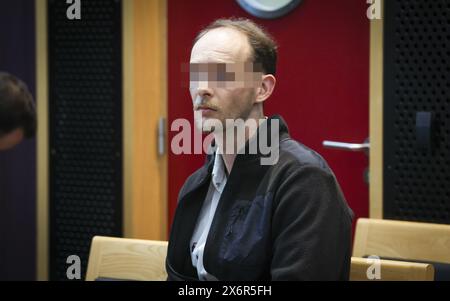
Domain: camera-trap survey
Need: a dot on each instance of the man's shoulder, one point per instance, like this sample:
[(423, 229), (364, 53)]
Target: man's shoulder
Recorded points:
[(193, 180), (295, 154)]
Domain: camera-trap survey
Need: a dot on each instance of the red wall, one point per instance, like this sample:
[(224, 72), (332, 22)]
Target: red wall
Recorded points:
[(322, 88)]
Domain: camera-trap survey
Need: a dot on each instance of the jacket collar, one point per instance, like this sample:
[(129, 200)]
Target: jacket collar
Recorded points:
[(264, 131), (204, 172)]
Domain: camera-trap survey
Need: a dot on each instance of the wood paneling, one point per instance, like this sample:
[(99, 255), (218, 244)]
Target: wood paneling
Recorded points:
[(42, 140), (376, 120), (145, 99)]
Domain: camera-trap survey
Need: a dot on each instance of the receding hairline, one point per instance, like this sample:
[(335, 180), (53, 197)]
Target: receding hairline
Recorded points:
[(263, 47), (248, 47)]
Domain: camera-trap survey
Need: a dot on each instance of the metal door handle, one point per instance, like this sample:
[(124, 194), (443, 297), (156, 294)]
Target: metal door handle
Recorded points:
[(355, 147)]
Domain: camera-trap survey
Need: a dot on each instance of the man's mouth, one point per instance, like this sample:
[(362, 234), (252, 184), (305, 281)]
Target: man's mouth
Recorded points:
[(205, 110)]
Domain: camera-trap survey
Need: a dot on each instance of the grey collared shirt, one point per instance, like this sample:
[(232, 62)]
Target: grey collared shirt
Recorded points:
[(198, 240)]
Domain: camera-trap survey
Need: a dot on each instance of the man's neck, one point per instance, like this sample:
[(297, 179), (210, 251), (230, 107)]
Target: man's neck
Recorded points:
[(229, 155)]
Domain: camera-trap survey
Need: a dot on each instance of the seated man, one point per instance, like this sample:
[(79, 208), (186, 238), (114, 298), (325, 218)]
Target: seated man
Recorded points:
[(17, 112), (246, 215)]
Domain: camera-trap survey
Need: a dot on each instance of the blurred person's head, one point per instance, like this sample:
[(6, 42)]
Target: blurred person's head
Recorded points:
[(232, 71), (17, 111)]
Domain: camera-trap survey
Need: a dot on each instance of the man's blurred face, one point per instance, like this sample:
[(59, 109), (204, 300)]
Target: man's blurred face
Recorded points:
[(223, 80), (11, 139)]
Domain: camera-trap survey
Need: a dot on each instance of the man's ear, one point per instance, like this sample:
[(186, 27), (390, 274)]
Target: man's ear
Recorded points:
[(265, 88), (11, 139)]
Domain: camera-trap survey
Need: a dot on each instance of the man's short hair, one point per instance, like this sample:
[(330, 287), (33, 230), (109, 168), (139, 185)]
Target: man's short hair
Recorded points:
[(264, 47), (17, 109)]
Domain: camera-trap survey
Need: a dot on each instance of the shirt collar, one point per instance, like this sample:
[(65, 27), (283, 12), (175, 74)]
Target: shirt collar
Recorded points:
[(219, 176)]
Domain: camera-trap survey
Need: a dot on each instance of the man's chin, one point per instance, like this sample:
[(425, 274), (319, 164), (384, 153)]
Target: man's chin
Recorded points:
[(208, 125)]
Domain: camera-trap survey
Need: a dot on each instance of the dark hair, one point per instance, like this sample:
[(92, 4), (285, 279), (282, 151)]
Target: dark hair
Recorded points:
[(264, 47), (17, 109)]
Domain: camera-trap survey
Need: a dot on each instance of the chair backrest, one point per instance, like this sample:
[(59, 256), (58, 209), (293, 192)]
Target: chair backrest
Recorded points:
[(126, 259), (390, 270), (402, 240)]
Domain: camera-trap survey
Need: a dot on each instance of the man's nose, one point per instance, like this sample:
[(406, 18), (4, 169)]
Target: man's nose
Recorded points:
[(204, 89)]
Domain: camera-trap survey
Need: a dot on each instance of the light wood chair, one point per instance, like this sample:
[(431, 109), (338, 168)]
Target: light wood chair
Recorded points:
[(389, 239), (391, 270), (402, 240), (126, 259)]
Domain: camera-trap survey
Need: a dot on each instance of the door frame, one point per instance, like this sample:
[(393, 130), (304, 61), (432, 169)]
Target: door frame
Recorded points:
[(376, 118)]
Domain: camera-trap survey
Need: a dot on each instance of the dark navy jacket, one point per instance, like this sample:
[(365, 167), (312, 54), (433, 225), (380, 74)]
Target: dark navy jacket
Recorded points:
[(287, 221)]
